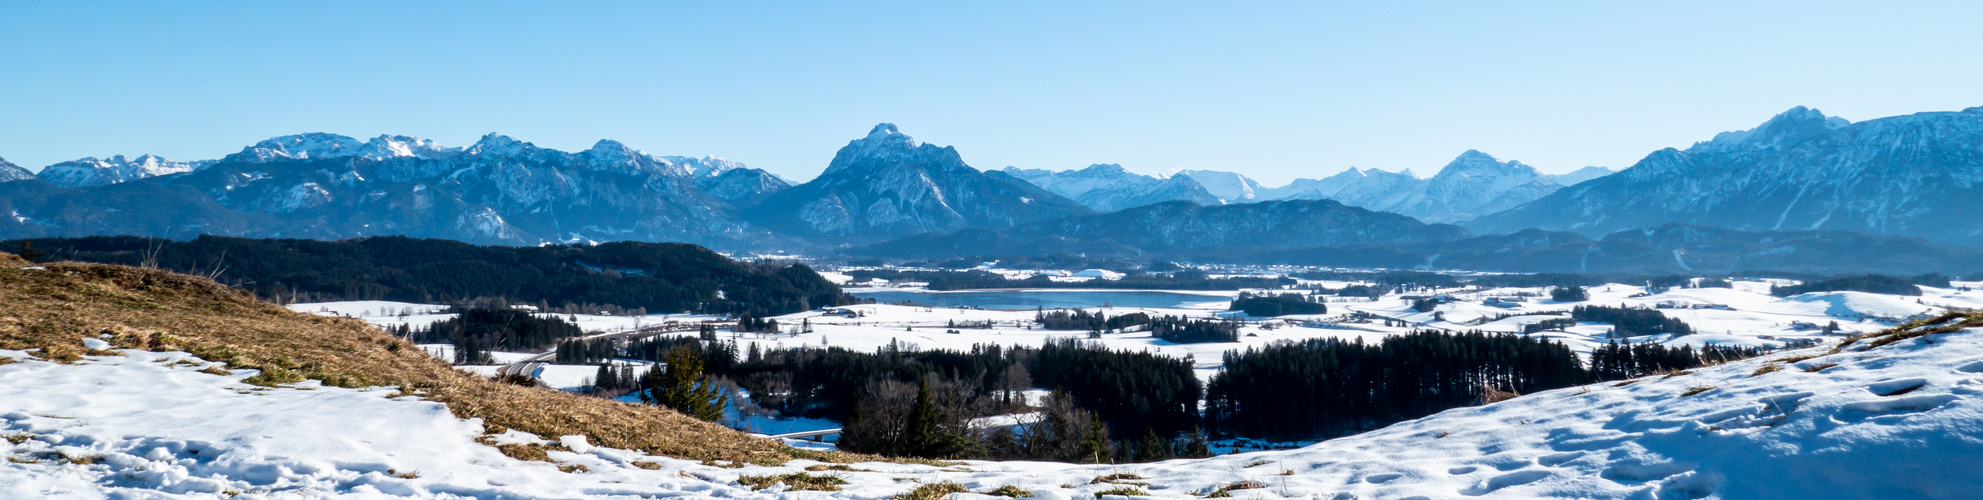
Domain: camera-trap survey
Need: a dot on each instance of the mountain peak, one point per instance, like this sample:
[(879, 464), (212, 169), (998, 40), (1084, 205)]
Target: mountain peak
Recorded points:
[(886, 145), (1105, 168), (494, 144), (398, 146), (883, 129), (304, 146), (1786, 128)]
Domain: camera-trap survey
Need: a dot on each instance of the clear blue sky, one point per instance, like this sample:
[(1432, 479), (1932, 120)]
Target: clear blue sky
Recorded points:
[(1272, 90)]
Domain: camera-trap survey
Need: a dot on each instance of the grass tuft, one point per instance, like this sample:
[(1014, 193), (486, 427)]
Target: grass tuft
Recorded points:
[(1767, 368), (1009, 491), (1819, 367), (1697, 390), (798, 481), (1225, 491), (932, 491), (1117, 478), (834, 467), (1122, 490)]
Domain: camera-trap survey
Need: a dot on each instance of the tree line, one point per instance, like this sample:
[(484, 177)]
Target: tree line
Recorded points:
[(1628, 322), (1330, 387), (660, 277), (1269, 305)]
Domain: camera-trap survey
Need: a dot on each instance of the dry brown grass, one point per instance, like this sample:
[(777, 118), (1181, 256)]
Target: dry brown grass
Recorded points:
[(1767, 368), (1008, 491), (53, 310), (799, 481), (933, 491), (1225, 491), (1948, 322), (1491, 395)]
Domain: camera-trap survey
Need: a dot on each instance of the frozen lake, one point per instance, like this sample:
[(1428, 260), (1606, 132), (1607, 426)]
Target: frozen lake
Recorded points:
[(1010, 300)]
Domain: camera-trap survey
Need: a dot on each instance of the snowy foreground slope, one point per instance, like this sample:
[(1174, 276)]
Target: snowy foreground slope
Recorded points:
[(1894, 421)]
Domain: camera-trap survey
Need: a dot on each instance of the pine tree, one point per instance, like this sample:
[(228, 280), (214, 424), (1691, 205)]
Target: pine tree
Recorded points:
[(683, 388), (931, 432)]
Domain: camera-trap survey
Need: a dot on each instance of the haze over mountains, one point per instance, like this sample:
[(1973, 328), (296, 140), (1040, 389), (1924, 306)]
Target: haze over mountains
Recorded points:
[(886, 193)]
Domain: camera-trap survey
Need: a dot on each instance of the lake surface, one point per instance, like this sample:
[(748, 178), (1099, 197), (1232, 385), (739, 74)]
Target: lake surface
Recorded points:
[(1049, 299)]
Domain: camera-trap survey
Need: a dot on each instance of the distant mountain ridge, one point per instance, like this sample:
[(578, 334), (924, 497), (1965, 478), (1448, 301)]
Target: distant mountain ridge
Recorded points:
[(1108, 187), (1914, 175), (327, 186)]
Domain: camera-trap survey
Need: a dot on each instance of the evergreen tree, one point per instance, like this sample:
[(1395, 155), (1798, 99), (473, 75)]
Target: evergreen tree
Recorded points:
[(683, 388), (29, 252), (932, 431)]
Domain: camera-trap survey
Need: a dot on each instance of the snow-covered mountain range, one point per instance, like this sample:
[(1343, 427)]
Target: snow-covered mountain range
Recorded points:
[(1910, 176), (317, 185), (1108, 187), (1472, 185), (1914, 175), (89, 172)]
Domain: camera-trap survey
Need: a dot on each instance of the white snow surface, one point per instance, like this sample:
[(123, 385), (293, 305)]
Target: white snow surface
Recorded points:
[(1898, 421)]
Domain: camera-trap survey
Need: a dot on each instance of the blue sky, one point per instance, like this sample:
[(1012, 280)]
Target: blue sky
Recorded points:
[(1272, 90)]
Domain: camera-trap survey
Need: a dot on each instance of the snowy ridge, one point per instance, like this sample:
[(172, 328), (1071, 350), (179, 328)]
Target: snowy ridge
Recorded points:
[(1108, 187), (10, 172), (88, 172)]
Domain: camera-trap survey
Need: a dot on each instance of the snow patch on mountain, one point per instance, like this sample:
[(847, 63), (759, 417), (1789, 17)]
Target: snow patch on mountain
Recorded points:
[(10, 172), (1228, 186)]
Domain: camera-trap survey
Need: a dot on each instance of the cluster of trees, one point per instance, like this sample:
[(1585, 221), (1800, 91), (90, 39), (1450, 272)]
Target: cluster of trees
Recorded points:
[(1081, 319), (1631, 322), (1269, 305), (1181, 330), (1569, 294), (1549, 324), (667, 277), (749, 323), (585, 352), (1618, 361), (902, 401), (1362, 291), (476, 331), (1326, 387), (1129, 390), (1871, 283)]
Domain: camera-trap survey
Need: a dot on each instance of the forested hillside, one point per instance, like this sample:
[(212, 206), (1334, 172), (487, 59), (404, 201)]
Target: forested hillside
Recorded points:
[(660, 277)]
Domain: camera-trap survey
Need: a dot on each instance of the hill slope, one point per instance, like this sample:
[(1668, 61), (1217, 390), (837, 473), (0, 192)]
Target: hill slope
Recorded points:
[(61, 312)]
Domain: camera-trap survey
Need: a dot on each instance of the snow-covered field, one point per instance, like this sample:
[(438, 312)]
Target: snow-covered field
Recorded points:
[(1745, 315), (1899, 421)]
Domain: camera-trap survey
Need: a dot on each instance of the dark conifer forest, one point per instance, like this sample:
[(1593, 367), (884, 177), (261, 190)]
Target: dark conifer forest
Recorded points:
[(1631, 322), (1327, 387), (658, 277)]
